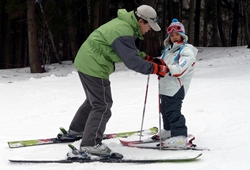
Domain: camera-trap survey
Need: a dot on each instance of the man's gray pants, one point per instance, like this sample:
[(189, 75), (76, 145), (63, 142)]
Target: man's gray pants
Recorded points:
[(92, 116), (171, 113)]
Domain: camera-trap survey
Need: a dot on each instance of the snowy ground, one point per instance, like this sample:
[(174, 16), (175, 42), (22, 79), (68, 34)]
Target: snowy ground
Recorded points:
[(216, 109)]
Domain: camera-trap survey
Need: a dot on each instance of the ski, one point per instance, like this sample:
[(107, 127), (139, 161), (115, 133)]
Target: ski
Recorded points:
[(189, 159), (88, 158), (35, 142), (150, 144)]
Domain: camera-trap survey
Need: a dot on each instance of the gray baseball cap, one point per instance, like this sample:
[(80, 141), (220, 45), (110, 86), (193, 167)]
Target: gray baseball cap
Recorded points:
[(148, 13)]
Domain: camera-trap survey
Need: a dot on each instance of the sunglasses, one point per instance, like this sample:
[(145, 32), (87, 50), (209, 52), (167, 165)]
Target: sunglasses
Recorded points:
[(145, 18), (154, 19), (174, 28)]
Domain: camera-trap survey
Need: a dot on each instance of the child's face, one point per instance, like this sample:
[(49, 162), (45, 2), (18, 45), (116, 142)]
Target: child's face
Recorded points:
[(175, 37)]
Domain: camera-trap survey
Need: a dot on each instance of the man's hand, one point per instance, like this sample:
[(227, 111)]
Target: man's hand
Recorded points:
[(159, 61), (149, 58), (155, 60)]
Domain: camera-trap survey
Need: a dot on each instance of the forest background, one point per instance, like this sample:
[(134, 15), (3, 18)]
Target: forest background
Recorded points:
[(35, 33)]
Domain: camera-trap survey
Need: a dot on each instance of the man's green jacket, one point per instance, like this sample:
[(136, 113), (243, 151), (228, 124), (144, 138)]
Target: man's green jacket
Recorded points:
[(111, 43)]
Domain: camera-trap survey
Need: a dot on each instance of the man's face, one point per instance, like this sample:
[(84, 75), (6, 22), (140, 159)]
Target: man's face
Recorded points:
[(144, 28)]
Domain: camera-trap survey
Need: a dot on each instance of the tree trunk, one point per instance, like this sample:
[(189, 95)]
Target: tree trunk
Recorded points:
[(197, 23), (164, 23), (51, 36), (215, 24), (72, 34), (2, 31), (7, 47), (246, 9), (170, 11), (104, 11), (191, 22), (180, 10), (220, 26), (95, 15), (88, 23), (205, 25), (235, 24), (35, 66), (21, 46)]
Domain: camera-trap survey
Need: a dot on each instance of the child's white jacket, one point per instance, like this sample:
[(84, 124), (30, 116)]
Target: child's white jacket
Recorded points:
[(181, 68)]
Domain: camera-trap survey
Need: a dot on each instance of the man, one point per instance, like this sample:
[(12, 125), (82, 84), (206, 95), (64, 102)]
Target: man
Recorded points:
[(110, 43)]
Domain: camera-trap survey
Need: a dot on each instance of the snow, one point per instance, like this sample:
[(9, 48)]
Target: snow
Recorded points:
[(216, 109)]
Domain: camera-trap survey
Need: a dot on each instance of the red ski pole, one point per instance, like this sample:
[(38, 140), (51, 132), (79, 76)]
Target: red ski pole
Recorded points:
[(159, 108)]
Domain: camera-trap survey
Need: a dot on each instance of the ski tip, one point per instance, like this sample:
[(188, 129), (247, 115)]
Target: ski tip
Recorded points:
[(198, 156), (129, 143), (154, 130), (71, 146), (125, 143), (63, 130)]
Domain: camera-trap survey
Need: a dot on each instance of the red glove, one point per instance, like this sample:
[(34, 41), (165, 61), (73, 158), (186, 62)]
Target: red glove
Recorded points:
[(148, 58), (160, 70)]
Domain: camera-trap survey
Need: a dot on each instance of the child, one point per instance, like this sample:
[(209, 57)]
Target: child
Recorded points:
[(180, 59)]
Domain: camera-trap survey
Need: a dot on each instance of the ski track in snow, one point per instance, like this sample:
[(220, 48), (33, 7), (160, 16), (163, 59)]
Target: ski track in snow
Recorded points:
[(216, 110)]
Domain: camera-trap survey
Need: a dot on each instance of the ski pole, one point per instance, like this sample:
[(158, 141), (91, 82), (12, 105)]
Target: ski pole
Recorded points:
[(144, 107), (159, 105)]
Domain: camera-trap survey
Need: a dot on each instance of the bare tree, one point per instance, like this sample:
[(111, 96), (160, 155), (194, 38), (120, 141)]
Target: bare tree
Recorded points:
[(95, 14), (245, 12), (197, 23), (180, 10), (205, 24), (235, 24), (104, 11), (191, 22), (72, 34), (170, 10), (50, 35), (7, 49), (215, 25), (35, 66), (2, 5), (220, 25)]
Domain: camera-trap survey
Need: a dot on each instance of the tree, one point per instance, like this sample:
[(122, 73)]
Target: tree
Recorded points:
[(2, 16), (205, 19), (191, 22), (220, 25), (235, 24), (246, 8), (170, 11), (35, 66), (215, 25), (50, 34), (7, 47), (71, 29), (197, 23)]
